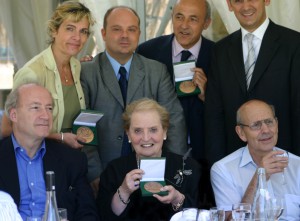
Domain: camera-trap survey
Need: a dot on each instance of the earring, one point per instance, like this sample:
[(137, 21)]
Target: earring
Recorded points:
[(165, 138), (129, 141)]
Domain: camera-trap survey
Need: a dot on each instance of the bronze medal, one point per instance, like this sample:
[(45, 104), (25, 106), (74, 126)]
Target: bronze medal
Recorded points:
[(153, 187), (187, 87), (86, 133)]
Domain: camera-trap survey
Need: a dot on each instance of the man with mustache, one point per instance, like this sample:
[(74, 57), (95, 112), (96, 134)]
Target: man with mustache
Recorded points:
[(118, 76), (234, 177)]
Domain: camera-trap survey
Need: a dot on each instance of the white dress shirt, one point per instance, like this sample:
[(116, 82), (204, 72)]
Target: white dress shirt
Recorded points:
[(8, 209), (231, 176)]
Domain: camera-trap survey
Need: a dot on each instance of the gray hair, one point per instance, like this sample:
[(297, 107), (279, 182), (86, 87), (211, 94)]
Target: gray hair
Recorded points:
[(12, 100), (208, 11)]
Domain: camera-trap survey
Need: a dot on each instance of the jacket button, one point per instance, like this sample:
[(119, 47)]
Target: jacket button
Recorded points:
[(120, 138)]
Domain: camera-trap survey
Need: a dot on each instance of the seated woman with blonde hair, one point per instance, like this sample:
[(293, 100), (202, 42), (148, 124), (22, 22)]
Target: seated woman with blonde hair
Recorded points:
[(120, 198)]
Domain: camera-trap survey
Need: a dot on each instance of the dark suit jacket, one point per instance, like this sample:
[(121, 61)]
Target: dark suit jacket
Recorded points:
[(276, 79), (102, 92), (70, 167), (160, 49)]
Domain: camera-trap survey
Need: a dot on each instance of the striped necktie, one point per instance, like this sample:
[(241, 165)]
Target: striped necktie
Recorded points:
[(251, 58)]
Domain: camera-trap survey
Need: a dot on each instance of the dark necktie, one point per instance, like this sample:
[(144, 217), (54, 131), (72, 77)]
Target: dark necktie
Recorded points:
[(123, 83), (185, 54), (126, 147)]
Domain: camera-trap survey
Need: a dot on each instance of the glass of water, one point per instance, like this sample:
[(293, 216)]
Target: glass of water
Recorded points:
[(275, 208), (285, 155), (241, 211), (217, 214)]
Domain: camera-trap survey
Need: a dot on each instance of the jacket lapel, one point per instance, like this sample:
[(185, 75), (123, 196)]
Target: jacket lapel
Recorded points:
[(137, 74), (9, 170), (52, 162), (235, 54), (267, 50), (166, 54), (110, 79)]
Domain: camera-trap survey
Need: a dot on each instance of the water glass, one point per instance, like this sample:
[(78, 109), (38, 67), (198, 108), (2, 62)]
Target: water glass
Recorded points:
[(241, 211), (275, 208), (217, 214), (285, 154), (63, 215), (31, 218)]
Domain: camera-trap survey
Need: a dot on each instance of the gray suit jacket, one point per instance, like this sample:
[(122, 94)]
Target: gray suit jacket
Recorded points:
[(148, 78)]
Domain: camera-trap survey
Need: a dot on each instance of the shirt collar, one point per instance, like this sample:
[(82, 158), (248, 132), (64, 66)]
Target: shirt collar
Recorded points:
[(259, 32), (177, 48), (246, 157), (116, 65), (41, 150)]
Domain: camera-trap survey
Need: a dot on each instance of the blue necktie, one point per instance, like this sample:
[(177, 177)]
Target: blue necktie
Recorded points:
[(126, 147), (123, 83)]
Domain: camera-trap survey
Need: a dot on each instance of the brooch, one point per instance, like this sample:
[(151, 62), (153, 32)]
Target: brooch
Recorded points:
[(179, 177)]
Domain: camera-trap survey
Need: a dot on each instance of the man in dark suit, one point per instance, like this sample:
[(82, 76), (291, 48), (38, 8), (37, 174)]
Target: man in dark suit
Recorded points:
[(26, 155), (273, 77), (189, 19), (118, 76)]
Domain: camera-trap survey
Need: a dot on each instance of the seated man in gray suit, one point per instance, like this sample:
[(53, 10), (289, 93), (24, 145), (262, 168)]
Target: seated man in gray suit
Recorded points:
[(119, 76)]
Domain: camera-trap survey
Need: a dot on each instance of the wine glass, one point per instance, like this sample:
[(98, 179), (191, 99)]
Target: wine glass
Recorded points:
[(241, 211), (285, 154), (275, 208), (217, 214)]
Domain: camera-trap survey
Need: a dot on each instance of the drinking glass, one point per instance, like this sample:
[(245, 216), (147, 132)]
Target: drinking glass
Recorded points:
[(31, 218), (217, 214), (241, 211), (285, 154), (63, 215), (275, 208)]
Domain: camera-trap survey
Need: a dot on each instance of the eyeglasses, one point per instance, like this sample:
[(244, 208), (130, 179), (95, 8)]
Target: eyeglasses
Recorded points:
[(270, 122)]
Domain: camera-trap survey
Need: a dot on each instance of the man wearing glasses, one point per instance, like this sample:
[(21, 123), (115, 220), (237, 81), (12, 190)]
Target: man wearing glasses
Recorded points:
[(234, 177)]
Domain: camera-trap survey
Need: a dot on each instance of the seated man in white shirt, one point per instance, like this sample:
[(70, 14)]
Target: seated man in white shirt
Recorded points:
[(234, 177), (8, 208)]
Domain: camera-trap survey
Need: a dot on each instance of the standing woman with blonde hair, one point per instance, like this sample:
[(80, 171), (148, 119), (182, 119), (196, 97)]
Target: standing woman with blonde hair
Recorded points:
[(57, 69)]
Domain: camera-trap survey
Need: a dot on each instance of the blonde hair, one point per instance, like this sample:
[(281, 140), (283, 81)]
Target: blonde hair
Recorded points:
[(68, 10), (143, 105)]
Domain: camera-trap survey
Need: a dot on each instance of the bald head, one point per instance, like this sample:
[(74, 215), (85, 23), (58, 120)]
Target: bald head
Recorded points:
[(190, 18), (253, 107)]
